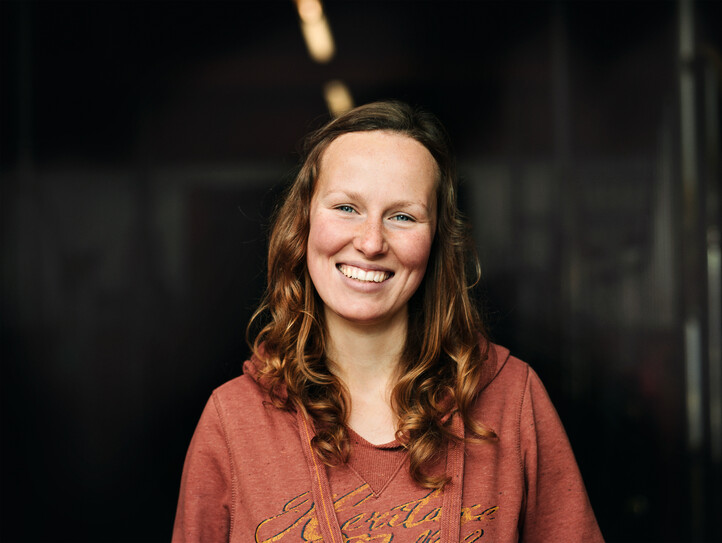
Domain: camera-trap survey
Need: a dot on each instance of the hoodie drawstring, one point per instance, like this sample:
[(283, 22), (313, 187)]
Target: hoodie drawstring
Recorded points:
[(451, 504), (321, 489)]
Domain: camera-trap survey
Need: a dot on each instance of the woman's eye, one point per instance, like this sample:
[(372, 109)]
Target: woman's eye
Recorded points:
[(346, 209), (402, 218)]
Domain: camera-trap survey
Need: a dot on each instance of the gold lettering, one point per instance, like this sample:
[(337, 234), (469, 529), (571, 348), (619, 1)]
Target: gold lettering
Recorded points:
[(413, 507), (340, 504), (429, 536), (381, 538), (300, 512), (311, 531), (378, 520), (469, 513), (292, 506), (431, 516), (353, 523), (474, 536), (411, 521)]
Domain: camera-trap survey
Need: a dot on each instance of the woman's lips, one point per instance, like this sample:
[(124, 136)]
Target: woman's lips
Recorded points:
[(352, 272)]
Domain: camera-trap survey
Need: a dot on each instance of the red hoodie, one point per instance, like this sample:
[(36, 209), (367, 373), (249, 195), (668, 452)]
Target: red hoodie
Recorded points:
[(250, 475)]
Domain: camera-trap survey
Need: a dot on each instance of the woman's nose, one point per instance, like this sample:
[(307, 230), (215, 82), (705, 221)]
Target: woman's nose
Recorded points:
[(370, 239)]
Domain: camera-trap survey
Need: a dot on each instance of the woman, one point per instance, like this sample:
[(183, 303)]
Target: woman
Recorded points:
[(374, 408)]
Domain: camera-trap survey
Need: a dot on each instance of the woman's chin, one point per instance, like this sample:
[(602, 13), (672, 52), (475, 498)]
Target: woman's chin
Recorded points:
[(366, 317)]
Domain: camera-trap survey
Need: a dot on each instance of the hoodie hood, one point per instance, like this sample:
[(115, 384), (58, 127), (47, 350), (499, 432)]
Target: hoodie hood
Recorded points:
[(252, 368), (497, 357)]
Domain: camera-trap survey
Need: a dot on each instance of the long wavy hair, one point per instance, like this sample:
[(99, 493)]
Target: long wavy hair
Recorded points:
[(441, 362)]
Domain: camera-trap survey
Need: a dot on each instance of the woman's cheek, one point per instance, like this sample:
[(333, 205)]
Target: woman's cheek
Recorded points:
[(327, 234), (417, 250)]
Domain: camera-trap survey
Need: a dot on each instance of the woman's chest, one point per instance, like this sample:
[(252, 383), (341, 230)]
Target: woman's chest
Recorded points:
[(276, 501)]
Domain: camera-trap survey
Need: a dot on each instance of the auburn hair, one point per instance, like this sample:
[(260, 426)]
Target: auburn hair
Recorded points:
[(441, 362)]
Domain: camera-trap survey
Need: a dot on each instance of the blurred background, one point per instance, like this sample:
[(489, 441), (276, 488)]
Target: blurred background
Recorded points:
[(143, 145)]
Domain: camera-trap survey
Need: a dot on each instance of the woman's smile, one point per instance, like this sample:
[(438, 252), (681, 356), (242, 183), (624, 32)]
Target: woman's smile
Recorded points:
[(372, 223), (352, 272)]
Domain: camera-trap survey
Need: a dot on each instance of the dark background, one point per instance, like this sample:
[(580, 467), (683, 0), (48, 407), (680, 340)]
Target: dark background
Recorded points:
[(143, 144)]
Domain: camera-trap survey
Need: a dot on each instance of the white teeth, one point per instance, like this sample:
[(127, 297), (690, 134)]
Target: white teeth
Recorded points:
[(362, 275)]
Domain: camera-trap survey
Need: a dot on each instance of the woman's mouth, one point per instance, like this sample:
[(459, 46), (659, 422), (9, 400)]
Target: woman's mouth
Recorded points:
[(352, 272)]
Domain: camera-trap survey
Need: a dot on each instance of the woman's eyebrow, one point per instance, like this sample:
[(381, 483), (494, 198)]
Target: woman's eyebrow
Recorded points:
[(352, 195)]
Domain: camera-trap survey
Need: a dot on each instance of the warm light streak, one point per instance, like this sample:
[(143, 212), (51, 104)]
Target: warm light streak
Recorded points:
[(316, 30), (338, 97), (310, 11)]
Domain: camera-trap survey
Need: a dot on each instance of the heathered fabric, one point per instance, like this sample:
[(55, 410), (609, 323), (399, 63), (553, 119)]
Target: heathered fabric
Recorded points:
[(250, 475)]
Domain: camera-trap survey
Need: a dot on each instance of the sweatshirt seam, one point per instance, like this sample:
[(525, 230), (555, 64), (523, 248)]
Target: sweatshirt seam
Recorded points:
[(219, 412), (519, 415), (377, 494)]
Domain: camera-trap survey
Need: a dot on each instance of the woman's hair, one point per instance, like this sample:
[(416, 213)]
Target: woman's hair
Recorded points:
[(441, 363)]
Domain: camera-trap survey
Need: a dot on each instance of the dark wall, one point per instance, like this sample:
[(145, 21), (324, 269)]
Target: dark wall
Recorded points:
[(144, 145)]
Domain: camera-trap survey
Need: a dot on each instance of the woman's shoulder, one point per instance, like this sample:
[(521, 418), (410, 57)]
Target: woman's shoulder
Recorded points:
[(242, 392), (242, 386), (502, 369), (511, 383)]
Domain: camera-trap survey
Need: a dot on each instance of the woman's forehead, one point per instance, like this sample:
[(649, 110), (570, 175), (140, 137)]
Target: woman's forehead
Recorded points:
[(377, 146)]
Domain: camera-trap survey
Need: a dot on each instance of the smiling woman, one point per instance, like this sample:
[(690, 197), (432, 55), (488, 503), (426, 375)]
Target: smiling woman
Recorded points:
[(372, 221), (374, 406)]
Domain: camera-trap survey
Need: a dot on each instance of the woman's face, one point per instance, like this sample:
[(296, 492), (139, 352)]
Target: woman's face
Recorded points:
[(372, 222)]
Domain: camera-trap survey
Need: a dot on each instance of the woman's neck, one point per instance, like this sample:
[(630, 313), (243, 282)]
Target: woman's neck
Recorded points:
[(365, 357)]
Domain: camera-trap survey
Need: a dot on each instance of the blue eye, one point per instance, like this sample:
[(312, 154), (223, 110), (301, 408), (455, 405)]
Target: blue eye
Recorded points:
[(346, 209), (402, 218)]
